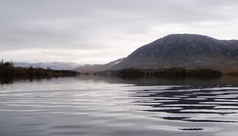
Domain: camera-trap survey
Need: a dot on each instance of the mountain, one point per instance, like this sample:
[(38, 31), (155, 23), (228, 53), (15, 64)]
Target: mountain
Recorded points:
[(98, 67), (184, 50), (51, 65)]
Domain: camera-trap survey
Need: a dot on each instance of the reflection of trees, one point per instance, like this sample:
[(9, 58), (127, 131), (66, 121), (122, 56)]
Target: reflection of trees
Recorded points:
[(170, 80), (6, 80), (11, 80)]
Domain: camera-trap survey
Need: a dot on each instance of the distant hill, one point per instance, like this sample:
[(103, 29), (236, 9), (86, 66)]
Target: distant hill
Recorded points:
[(69, 66), (98, 67), (184, 50), (51, 65)]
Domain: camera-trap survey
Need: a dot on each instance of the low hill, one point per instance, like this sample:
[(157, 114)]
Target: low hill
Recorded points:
[(97, 67), (184, 50)]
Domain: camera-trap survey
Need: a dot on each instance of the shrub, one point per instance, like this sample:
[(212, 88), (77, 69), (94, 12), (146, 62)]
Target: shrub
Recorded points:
[(173, 71), (204, 72), (131, 72), (19, 71)]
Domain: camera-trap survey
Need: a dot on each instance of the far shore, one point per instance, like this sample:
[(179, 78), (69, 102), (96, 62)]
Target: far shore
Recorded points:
[(172, 72), (8, 70)]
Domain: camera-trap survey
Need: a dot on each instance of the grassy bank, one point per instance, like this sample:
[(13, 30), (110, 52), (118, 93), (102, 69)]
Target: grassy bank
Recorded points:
[(231, 72)]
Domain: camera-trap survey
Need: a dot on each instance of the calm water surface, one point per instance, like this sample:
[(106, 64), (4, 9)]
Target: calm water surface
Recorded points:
[(111, 106)]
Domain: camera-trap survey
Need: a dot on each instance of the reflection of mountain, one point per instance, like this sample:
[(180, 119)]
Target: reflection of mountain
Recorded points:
[(184, 50), (183, 103)]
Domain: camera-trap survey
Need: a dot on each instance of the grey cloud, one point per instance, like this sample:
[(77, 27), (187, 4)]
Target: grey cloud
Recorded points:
[(102, 24)]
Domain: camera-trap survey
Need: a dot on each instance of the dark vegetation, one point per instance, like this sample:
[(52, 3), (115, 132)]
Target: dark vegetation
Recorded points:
[(171, 72), (7, 69), (206, 72), (174, 71), (131, 72)]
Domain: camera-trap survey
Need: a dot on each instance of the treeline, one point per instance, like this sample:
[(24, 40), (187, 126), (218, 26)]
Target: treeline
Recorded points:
[(171, 72), (6, 64), (8, 69)]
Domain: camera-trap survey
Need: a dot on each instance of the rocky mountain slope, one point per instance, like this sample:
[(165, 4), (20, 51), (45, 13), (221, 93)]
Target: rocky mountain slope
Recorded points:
[(184, 50)]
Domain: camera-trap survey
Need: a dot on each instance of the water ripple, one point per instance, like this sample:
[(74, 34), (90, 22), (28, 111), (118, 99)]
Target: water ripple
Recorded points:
[(74, 106), (198, 105)]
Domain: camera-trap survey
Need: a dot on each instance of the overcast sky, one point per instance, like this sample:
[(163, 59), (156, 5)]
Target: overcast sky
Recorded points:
[(99, 31)]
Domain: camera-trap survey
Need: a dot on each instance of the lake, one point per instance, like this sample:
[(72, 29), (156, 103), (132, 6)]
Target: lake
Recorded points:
[(113, 106)]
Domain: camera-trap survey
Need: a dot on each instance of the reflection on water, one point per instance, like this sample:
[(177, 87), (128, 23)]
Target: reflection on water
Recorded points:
[(6, 80), (112, 106), (11, 80), (141, 81), (194, 103)]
